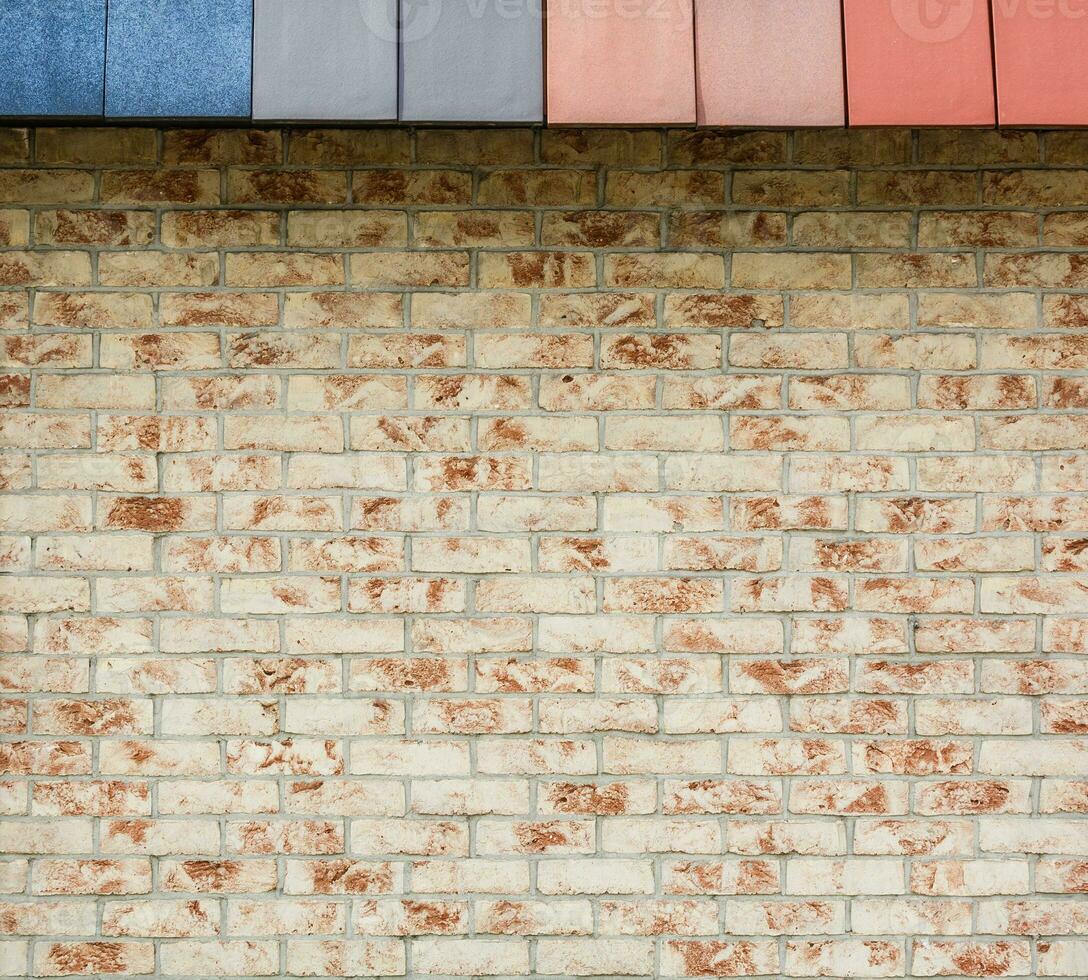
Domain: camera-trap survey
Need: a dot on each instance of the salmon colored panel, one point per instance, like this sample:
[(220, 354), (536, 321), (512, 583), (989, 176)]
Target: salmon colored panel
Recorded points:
[(1042, 62), (919, 62), (620, 61), (769, 63)]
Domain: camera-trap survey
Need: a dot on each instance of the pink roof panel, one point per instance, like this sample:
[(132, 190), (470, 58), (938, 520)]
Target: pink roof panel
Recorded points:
[(620, 62), (1042, 62), (769, 63), (919, 63)]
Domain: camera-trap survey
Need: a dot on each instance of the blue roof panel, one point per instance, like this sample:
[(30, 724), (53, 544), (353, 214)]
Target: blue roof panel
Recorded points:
[(179, 58), (52, 55)]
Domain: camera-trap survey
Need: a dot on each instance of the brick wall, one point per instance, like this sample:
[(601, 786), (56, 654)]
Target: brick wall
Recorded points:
[(519, 553)]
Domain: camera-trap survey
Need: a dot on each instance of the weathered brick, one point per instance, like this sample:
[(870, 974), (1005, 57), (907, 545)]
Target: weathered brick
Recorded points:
[(83, 227), (345, 147), (752, 270), (221, 147), (537, 188), (286, 187), (160, 187), (219, 229)]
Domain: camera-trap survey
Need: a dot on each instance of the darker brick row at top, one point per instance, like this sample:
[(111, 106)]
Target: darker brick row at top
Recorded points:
[(754, 63)]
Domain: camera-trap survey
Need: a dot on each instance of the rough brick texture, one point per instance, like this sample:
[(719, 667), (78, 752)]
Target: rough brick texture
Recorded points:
[(530, 553)]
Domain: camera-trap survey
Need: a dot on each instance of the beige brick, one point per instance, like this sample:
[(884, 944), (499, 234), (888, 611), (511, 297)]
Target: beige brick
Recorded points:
[(157, 269), (222, 146), (544, 187), (995, 229), (518, 350), (346, 229), (453, 310), (410, 269), (45, 269), (97, 391), (323, 310), (914, 271), (601, 229), (534, 270), (90, 310), (14, 227), (481, 229), (1033, 188), (277, 186), (640, 189), (219, 229), (782, 188), (270, 269), (47, 431), (673, 352), (909, 188), (14, 310), (528, 917), (728, 877), (718, 148), (476, 146), (795, 350), (597, 309), (159, 352), (698, 433), (1038, 269), (857, 311), (954, 352), (595, 877), (976, 146), (49, 351), (14, 145), (219, 309), (46, 187), (601, 146), (84, 227), (854, 145), (671, 270), (345, 147), (751, 270), (397, 187), (160, 187)]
